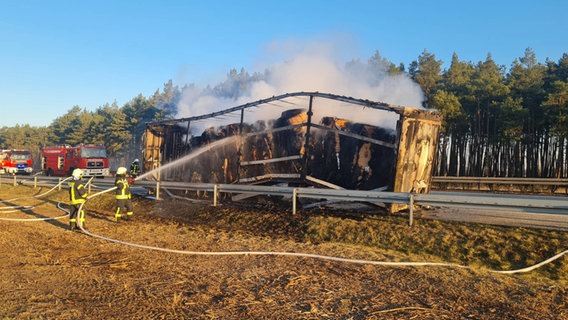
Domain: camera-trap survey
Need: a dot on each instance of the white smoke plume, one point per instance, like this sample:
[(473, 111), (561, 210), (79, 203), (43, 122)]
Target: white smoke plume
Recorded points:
[(310, 68)]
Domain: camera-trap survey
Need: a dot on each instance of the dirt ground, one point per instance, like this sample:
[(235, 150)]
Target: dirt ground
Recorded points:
[(49, 272)]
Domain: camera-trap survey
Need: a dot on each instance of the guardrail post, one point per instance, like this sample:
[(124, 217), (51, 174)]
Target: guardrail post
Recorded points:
[(15, 183), (411, 209), (294, 197), (35, 182), (157, 190), (215, 190), (59, 184)]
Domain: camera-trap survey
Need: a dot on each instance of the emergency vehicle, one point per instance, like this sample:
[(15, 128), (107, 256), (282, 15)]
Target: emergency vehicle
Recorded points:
[(62, 160), (16, 161), (6, 165)]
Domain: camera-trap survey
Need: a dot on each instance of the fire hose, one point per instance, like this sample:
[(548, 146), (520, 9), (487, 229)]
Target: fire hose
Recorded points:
[(272, 253), (305, 255), (27, 208)]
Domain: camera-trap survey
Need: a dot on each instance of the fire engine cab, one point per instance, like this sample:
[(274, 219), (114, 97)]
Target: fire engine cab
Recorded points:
[(62, 160), (16, 161)]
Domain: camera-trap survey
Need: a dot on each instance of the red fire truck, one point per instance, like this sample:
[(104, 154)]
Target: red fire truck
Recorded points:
[(6, 165), (62, 160), (16, 161)]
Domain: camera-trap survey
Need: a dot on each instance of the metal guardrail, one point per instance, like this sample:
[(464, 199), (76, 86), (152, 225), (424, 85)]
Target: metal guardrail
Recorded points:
[(560, 182), (506, 202), (498, 202), (501, 180)]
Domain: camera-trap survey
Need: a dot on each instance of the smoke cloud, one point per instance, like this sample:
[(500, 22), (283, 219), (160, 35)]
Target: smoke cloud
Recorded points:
[(313, 67)]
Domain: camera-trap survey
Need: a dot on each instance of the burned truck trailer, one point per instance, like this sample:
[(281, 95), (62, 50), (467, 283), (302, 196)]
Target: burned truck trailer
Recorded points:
[(300, 139)]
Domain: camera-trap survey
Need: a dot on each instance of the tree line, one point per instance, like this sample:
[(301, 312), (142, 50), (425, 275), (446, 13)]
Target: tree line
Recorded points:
[(118, 128), (497, 121)]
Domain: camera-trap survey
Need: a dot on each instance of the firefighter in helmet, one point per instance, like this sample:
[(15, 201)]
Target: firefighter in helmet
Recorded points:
[(135, 168), (77, 196), (123, 196)]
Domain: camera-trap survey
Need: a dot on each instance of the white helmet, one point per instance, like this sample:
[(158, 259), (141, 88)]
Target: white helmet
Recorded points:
[(77, 174), (121, 170), (136, 160)]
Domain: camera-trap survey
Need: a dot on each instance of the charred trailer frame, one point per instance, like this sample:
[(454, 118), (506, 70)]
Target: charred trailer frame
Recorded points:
[(313, 138)]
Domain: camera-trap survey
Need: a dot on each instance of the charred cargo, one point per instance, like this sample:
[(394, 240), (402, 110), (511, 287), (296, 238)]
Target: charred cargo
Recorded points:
[(311, 138)]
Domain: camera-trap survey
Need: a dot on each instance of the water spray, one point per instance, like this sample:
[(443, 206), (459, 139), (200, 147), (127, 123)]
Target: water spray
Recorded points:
[(191, 155)]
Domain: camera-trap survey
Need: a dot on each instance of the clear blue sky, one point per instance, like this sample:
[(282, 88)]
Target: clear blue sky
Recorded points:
[(57, 54)]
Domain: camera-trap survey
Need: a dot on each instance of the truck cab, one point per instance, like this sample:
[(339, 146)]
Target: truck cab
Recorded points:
[(62, 160)]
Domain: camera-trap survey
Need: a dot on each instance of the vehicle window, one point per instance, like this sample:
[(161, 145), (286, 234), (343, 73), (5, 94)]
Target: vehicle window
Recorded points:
[(21, 156), (93, 153)]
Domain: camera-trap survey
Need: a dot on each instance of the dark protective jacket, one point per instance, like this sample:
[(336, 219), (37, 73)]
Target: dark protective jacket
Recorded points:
[(122, 188), (135, 168), (77, 192)]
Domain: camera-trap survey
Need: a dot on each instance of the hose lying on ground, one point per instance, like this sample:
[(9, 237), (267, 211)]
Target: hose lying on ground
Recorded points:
[(29, 208), (276, 253), (308, 255)]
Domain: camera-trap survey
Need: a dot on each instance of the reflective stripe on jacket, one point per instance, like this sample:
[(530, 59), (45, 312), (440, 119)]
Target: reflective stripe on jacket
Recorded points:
[(122, 188), (134, 168), (77, 193)]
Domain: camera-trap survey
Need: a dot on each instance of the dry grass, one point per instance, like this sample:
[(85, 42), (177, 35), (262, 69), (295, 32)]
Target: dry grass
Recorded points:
[(50, 273)]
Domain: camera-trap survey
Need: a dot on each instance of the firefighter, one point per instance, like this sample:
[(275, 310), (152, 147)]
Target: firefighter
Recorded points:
[(77, 196), (135, 168), (123, 196)]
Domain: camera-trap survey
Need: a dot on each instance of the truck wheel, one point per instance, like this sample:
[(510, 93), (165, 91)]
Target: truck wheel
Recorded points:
[(49, 172)]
